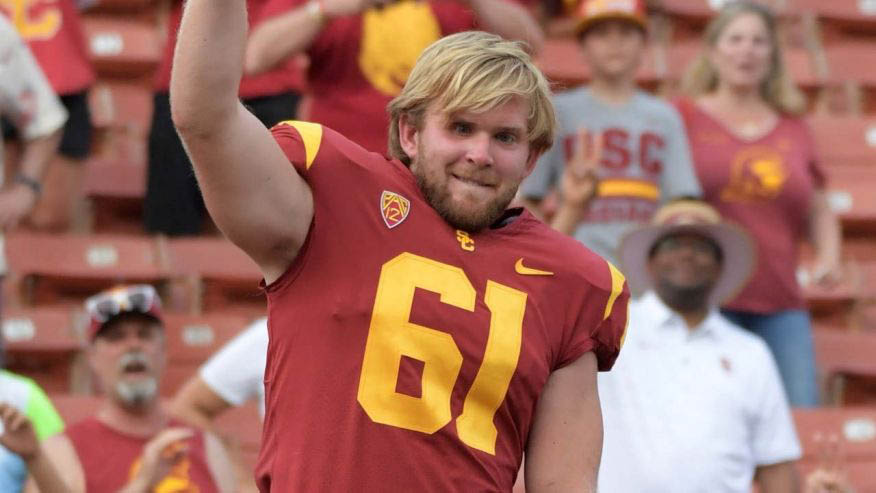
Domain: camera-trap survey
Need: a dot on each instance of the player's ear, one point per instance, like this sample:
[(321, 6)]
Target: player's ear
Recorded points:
[(531, 160), (408, 134)]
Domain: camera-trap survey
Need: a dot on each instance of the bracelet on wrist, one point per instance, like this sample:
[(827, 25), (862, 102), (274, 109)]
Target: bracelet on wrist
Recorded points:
[(35, 186)]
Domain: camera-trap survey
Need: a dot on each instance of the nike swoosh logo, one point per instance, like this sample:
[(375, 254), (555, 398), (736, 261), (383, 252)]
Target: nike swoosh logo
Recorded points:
[(526, 271)]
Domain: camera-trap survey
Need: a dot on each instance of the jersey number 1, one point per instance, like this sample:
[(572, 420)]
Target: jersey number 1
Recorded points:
[(392, 335)]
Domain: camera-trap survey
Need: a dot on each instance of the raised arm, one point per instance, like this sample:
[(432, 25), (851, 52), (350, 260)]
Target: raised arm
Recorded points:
[(293, 31), (565, 443), (251, 190), (509, 20)]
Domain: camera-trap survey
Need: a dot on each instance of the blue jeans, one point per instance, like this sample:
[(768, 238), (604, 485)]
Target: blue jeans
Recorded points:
[(789, 336)]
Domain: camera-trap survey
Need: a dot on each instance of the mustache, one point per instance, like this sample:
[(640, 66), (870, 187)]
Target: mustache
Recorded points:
[(134, 358)]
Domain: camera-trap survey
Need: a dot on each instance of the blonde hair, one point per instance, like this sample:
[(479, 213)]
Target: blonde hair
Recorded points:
[(777, 89), (474, 71)]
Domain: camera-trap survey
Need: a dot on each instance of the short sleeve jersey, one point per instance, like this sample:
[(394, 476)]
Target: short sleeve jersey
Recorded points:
[(26, 396), (53, 32), (359, 63), (646, 162), (405, 355), (284, 78), (26, 98), (766, 186)]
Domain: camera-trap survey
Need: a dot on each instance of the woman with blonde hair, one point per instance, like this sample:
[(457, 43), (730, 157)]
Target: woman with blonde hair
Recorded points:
[(755, 160)]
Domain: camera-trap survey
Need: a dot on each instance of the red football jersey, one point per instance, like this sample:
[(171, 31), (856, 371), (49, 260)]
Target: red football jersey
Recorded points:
[(53, 33), (406, 355), (110, 460)]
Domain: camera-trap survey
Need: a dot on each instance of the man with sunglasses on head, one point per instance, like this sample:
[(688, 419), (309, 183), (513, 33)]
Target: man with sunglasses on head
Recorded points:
[(132, 444)]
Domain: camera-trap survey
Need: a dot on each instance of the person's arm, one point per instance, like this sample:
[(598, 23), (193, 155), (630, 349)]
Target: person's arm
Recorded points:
[(509, 20), (60, 453), (18, 200), (20, 438), (198, 404), (281, 36), (826, 236), (219, 464), (777, 478), (251, 190), (565, 442)]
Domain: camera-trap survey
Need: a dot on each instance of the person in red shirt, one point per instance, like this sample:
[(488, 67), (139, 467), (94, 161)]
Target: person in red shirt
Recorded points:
[(53, 33), (361, 51), (132, 444), (755, 160), (422, 335), (173, 204)]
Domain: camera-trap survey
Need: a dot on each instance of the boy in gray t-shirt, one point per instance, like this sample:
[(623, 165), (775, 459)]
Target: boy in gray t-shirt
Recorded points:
[(642, 157)]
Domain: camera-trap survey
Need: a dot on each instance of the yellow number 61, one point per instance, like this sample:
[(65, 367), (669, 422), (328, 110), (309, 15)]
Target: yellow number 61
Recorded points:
[(392, 335)]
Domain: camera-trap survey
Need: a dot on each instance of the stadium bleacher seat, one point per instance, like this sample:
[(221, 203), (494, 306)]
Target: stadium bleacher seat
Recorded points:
[(850, 194), (192, 339), (564, 65), (116, 189), (842, 354), (851, 60), (121, 104), (56, 268), (840, 437), (43, 344), (224, 276), (855, 16), (121, 6), (120, 46), (689, 17), (849, 140)]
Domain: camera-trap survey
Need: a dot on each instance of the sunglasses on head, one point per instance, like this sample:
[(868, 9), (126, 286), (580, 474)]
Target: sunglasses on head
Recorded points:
[(141, 298)]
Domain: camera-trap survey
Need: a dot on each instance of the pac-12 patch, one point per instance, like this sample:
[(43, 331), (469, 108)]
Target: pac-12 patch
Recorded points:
[(394, 208)]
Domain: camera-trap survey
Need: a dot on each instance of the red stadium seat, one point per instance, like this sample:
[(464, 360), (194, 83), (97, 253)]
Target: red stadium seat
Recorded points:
[(122, 5), (844, 438), (51, 268), (845, 140), (851, 196), (121, 105), (855, 16), (223, 274), (121, 47), (116, 189), (841, 354), (562, 62), (42, 344), (852, 60), (191, 340), (689, 17)]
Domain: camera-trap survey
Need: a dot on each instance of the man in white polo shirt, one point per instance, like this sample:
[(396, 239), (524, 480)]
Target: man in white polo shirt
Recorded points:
[(694, 403)]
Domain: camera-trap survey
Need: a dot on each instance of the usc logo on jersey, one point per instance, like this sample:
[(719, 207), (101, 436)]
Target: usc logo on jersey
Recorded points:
[(177, 480), (759, 173), (392, 39), (34, 19)]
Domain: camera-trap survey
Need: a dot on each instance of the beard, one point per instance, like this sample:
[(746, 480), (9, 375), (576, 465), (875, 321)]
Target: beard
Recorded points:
[(684, 299), (471, 220), (136, 394)]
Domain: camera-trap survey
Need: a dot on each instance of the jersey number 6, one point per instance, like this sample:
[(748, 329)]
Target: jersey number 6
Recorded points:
[(392, 335)]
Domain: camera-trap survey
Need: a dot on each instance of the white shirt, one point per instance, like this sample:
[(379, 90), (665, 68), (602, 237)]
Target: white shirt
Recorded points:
[(691, 411), (237, 372), (26, 98)]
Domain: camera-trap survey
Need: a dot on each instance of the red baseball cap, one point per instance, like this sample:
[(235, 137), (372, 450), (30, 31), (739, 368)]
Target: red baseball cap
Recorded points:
[(592, 11), (107, 305)]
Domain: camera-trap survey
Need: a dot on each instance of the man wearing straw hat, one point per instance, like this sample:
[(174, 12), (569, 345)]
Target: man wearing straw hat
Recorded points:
[(694, 403)]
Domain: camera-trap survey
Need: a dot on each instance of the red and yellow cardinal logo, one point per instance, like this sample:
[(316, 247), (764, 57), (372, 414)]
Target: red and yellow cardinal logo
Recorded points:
[(759, 173), (394, 208)]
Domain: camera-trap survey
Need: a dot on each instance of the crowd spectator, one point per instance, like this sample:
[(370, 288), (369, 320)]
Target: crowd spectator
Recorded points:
[(54, 35), (361, 51), (23, 396), (173, 204), (231, 377), (694, 403), (27, 102), (132, 444), (628, 147), (20, 441), (755, 160)]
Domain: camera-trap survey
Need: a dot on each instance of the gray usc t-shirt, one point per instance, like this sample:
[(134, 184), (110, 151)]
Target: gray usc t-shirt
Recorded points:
[(645, 163)]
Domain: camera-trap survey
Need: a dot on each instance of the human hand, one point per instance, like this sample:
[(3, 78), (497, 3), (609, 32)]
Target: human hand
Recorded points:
[(826, 273), (826, 481), (160, 455), (15, 202), (580, 182), (18, 433)]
